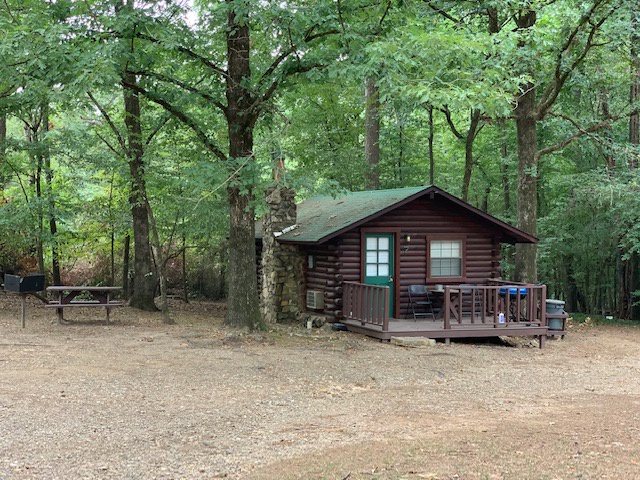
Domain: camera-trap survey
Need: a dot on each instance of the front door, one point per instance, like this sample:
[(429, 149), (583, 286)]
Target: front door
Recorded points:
[(378, 269)]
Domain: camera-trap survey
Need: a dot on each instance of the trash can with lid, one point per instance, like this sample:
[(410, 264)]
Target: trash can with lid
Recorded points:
[(555, 314)]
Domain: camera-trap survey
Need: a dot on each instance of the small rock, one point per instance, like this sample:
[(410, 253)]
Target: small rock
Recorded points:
[(413, 341)]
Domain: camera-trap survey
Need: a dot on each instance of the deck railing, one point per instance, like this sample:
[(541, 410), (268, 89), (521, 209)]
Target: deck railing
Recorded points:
[(461, 306), (367, 303), (497, 305)]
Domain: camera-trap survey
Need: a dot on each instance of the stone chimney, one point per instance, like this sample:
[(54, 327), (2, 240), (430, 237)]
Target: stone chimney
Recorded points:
[(282, 294)]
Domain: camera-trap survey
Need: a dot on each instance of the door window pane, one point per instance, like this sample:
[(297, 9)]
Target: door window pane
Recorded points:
[(378, 257)]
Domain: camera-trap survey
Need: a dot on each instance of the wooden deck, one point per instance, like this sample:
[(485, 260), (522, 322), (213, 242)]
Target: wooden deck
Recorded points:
[(467, 312), (435, 329)]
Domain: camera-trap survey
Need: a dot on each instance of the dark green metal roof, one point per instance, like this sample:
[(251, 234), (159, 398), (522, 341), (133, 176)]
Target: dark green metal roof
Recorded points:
[(323, 217), (320, 217)]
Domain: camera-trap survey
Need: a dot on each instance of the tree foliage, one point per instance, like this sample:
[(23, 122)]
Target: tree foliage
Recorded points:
[(230, 88)]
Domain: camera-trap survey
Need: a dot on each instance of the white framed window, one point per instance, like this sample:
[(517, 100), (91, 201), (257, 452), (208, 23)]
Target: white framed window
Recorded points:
[(446, 258)]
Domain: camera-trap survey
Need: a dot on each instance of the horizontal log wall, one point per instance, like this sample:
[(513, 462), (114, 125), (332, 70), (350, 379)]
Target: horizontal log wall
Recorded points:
[(424, 217), (339, 260)]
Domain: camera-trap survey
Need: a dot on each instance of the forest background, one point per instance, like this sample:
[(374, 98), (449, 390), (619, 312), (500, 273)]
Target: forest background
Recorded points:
[(150, 129)]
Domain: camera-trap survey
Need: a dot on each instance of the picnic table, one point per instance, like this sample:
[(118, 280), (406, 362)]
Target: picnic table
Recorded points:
[(66, 296)]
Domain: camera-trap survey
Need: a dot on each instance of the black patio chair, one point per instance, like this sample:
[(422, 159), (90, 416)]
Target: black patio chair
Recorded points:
[(472, 299), (420, 302)]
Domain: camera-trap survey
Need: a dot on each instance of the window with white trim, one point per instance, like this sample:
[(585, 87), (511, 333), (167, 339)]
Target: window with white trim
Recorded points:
[(446, 258)]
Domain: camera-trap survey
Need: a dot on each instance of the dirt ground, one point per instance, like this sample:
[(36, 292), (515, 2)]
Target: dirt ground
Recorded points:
[(141, 400)]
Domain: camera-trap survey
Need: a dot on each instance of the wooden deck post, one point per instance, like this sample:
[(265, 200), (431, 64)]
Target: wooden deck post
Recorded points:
[(385, 312), (447, 308)]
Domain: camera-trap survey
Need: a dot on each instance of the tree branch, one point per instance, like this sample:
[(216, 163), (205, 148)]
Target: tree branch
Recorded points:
[(442, 12), (447, 115), (552, 91), (580, 133), (180, 115), (474, 125), (109, 146), (7, 91), (184, 86), (13, 19), (157, 129), (384, 15), (22, 187), (112, 125), (308, 37), (189, 53), (344, 30)]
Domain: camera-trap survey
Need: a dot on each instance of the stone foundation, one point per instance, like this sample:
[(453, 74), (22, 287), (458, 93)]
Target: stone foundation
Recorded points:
[(282, 295)]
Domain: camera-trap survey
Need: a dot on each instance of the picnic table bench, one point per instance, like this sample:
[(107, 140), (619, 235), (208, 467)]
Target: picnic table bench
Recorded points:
[(66, 296)]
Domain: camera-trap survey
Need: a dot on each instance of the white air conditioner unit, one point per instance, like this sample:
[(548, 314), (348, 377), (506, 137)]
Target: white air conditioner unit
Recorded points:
[(315, 299)]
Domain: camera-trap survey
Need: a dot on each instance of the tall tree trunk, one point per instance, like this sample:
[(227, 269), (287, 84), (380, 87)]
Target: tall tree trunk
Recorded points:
[(628, 271), (504, 169), (526, 126), (144, 275), (372, 134), (161, 264), (185, 292), (243, 302), (112, 234), (3, 139), (431, 154), (112, 257), (494, 20), (526, 123), (634, 89), (605, 114), (40, 216), (571, 289), (468, 138), (400, 146), (53, 226), (125, 266), (32, 130), (485, 198), (474, 122), (632, 265)]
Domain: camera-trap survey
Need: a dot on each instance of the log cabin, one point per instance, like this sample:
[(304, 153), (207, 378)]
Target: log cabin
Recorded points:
[(352, 259)]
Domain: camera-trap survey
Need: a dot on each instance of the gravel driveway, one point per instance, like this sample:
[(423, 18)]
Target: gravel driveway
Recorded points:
[(141, 400)]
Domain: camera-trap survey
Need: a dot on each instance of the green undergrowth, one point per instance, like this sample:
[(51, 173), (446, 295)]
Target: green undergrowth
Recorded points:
[(596, 319)]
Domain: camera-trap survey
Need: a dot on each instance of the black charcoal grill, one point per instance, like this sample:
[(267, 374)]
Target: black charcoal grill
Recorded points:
[(32, 283)]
